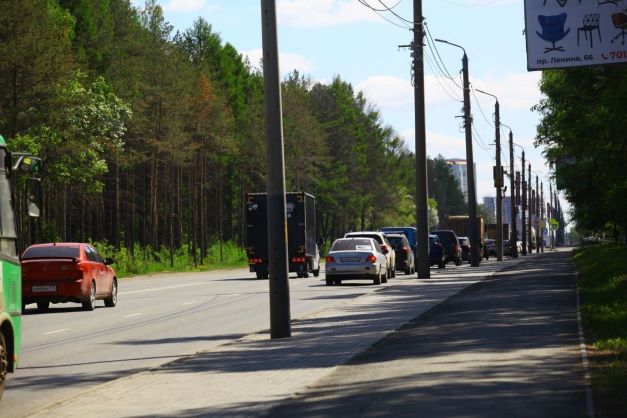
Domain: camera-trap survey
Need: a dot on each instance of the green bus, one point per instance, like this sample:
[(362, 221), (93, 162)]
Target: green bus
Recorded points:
[(10, 272)]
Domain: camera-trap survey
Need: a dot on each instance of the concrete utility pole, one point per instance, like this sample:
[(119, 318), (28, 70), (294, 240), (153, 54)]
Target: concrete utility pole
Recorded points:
[(475, 255), (542, 218), (537, 211), (530, 207), (277, 217), (550, 216), (513, 236), (422, 209), (524, 207), (498, 178)]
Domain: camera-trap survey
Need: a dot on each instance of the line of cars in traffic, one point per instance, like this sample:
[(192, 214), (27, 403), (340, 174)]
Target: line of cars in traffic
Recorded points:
[(377, 255)]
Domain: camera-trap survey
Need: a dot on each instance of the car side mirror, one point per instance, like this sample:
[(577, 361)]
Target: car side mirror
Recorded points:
[(33, 197), (109, 260)]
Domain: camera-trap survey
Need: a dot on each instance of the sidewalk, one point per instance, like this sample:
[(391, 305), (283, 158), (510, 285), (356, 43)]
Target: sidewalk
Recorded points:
[(250, 376)]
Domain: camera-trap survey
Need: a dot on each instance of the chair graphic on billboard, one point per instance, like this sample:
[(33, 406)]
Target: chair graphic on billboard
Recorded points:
[(619, 20), (590, 24), (553, 30)]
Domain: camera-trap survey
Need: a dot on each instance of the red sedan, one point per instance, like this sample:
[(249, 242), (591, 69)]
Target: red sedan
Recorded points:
[(67, 272)]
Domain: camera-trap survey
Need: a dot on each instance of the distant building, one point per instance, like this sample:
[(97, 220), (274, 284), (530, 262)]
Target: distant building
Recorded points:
[(489, 202), (459, 170), (507, 215)]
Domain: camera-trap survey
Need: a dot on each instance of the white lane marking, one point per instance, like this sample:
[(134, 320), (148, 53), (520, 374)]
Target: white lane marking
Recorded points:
[(132, 315), (157, 289), (56, 331), (190, 302), (584, 360)]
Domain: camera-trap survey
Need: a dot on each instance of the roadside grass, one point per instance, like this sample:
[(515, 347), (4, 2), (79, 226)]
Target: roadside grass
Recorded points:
[(145, 260), (602, 283)]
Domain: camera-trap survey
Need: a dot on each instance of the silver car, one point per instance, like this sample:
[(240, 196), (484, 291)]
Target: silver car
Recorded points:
[(384, 246), (355, 259)]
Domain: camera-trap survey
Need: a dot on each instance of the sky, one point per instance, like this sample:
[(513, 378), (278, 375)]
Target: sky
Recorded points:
[(327, 38)]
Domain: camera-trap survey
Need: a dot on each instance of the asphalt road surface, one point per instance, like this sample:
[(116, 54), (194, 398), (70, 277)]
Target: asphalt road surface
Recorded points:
[(504, 347), (158, 319)]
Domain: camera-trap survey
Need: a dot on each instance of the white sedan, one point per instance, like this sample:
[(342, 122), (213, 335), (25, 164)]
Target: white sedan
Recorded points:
[(355, 259)]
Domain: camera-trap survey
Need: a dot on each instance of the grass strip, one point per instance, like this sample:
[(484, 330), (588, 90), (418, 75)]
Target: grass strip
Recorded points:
[(602, 283)]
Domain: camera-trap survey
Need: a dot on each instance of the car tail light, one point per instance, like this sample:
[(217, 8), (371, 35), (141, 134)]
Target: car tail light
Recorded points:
[(330, 259), (405, 249), (372, 258), (457, 248)]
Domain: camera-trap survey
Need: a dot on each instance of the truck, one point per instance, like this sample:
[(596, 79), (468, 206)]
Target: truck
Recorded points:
[(492, 228), (459, 224), (302, 246), (12, 165)]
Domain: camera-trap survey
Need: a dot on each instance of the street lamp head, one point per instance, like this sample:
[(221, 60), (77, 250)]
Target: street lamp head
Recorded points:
[(489, 94), (507, 126), (450, 43)]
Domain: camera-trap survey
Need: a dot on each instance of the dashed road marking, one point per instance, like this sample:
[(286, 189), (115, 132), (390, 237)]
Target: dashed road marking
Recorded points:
[(56, 331), (132, 315)]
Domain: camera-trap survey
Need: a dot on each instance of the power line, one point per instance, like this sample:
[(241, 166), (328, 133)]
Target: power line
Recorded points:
[(379, 12), (411, 22), (432, 42), (480, 108), (479, 140), (449, 93)]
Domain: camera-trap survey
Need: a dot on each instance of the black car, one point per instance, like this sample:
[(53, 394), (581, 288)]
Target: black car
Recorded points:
[(404, 253), (437, 255), (464, 242), (489, 248), (453, 250)]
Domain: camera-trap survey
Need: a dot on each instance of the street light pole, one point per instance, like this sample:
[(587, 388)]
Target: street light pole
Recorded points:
[(513, 235), (524, 207), (277, 217), (542, 215), (536, 209), (498, 178), (475, 255)]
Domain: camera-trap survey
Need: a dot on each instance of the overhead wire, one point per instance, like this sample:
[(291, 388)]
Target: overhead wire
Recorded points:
[(472, 88), (430, 42), (449, 92), (380, 13)]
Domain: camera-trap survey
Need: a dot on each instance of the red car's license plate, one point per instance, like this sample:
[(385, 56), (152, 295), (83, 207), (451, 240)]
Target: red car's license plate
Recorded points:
[(44, 288)]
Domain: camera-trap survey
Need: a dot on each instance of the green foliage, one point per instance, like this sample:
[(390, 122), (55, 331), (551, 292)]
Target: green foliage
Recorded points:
[(145, 260), (602, 283), (151, 138), (582, 130)]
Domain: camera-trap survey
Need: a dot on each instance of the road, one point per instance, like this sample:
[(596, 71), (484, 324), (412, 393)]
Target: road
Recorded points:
[(504, 347), (158, 319)]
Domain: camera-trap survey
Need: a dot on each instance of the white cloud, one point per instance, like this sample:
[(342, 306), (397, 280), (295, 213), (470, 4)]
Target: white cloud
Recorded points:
[(322, 13), (184, 5), (386, 91), (515, 91), (287, 61), (398, 93), (438, 144)]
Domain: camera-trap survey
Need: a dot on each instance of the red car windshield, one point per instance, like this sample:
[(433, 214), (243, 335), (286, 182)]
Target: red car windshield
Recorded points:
[(51, 252)]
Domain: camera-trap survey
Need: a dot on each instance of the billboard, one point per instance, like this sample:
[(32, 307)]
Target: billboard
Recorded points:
[(574, 33)]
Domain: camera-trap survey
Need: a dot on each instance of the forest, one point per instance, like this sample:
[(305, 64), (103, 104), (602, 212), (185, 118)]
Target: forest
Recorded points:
[(151, 137)]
